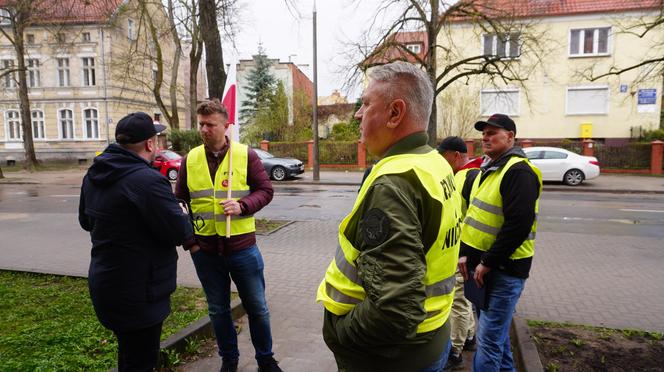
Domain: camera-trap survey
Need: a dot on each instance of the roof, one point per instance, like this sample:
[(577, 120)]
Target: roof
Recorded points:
[(71, 11), (389, 51), (550, 8)]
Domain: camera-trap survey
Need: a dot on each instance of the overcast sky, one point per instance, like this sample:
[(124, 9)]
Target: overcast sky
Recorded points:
[(285, 36)]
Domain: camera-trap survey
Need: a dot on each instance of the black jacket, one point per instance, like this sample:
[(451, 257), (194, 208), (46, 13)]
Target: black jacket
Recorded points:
[(135, 223), (520, 189)]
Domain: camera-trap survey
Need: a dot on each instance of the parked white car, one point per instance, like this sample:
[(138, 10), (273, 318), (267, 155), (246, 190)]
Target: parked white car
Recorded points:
[(558, 164)]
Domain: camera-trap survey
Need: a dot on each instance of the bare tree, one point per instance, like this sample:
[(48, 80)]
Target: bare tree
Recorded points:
[(214, 55), (652, 65), (437, 18), (151, 59), (19, 14), (459, 111)]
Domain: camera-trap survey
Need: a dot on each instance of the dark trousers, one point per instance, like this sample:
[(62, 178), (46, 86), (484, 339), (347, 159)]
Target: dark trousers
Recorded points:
[(139, 350)]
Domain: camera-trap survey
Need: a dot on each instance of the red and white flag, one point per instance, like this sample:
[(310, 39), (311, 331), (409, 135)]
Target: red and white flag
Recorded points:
[(230, 101)]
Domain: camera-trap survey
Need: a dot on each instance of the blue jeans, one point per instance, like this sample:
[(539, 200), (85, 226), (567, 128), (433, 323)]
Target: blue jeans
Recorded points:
[(245, 268), (438, 365), (493, 332)]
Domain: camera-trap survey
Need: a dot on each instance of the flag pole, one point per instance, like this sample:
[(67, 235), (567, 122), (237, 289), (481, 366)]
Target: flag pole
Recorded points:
[(230, 187)]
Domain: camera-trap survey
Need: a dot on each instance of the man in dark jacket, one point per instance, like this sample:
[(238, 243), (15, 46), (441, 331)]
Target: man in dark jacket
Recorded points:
[(498, 237), (135, 223)]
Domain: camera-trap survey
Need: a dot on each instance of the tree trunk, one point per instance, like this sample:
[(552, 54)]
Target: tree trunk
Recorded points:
[(214, 56), (432, 28), (174, 120), (24, 101), (194, 62), (1, 175)]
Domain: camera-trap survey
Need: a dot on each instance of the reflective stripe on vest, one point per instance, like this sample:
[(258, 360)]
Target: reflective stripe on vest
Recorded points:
[(484, 217), (342, 289), (205, 196)]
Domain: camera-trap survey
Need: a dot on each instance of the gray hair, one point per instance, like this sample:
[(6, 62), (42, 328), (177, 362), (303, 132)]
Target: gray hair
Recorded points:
[(412, 83)]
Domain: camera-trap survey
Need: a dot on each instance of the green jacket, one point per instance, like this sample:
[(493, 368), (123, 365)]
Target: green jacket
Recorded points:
[(379, 333)]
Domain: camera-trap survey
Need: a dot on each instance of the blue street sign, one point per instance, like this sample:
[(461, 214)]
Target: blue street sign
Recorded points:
[(647, 96)]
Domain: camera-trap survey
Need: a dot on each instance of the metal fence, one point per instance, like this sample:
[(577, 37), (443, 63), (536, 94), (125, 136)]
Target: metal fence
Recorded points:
[(296, 150), (630, 156), (341, 152)]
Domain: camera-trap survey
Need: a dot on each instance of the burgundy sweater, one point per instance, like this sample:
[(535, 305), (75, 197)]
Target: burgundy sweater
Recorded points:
[(260, 196)]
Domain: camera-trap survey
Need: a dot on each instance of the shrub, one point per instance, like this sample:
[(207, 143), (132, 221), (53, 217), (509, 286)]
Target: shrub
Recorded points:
[(184, 140), (653, 135)]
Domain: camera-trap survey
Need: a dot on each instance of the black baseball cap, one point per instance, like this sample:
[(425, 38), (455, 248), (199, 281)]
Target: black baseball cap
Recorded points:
[(497, 120), (453, 143), (136, 127)]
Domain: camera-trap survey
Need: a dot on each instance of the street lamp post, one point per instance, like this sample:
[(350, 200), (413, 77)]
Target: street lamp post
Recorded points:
[(314, 105)]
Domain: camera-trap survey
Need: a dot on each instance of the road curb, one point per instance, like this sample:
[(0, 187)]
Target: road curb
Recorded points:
[(526, 355), (202, 328)]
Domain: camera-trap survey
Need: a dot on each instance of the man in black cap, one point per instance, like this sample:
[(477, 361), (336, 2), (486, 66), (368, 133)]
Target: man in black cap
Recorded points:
[(498, 237), (135, 222)]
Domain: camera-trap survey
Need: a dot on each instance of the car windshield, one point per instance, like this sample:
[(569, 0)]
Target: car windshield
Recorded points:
[(263, 154), (170, 155)]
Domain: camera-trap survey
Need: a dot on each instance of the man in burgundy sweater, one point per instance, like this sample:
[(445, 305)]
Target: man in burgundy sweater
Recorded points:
[(202, 183)]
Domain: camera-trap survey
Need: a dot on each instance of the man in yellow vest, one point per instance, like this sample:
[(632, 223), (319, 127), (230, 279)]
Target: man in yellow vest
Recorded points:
[(498, 237), (203, 182), (462, 319), (388, 291)]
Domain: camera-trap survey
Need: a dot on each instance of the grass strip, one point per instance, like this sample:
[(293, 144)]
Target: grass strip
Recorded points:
[(47, 323)]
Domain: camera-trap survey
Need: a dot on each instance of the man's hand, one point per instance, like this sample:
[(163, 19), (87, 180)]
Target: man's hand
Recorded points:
[(231, 207), (185, 210), (463, 268), (480, 271), (194, 248)]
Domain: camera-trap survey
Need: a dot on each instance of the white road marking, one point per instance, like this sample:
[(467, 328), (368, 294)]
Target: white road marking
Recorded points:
[(642, 210), (65, 196)]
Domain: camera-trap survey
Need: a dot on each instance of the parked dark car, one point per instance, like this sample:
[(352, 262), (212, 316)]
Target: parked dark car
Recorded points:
[(280, 168), (168, 163)]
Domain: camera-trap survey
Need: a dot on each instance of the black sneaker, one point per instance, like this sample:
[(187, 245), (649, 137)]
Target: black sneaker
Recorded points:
[(470, 343), (228, 366), (269, 365), (454, 362)]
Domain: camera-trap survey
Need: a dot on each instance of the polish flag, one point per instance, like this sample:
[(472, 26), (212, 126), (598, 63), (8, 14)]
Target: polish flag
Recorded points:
[(230, 102)]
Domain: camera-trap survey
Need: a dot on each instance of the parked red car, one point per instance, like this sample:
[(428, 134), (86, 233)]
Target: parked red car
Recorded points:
[(168, 163)]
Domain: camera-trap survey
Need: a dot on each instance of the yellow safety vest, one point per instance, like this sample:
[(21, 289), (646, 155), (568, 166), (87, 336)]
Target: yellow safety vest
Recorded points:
[(341, 289), (205, 196), (485, 213), (460, 180)]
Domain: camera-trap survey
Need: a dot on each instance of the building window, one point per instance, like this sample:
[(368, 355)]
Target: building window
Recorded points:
[(38, 124), (13, 125), (91, 123), (414, 47), (131, 29), (30, 39), (66, 124), (5, 17), (503, 46), (33, 73), (499, 101), (60, 37), (589, 42), (9, 79), (588, 100), (89, 72), (63, 72), (86, 37)]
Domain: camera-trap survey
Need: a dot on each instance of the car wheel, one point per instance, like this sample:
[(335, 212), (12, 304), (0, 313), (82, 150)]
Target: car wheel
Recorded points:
[(278, 173), (172, 174), (573, 177)]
